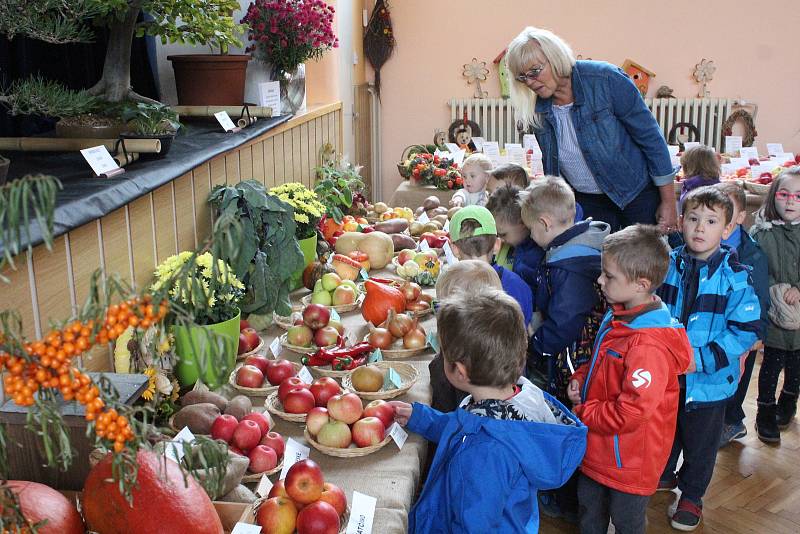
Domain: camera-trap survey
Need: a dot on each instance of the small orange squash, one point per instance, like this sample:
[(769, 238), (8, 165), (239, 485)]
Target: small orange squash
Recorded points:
[(379, 300)]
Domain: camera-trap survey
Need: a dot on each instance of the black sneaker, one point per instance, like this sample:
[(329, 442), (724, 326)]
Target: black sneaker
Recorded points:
[(687, 516)]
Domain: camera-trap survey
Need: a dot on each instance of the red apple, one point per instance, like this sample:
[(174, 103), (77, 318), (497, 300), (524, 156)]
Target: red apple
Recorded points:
[(334, 496), (318, 518), (289, 384), (243, 324), (316, 418), (256, 360), (249, 376), (405, 255), (298, 400), (262, 458), (243, 345), (335, 434), (246, 435), (236, 450), (300, 335), (277, 515), (274, 441), (346, 408), (343, 295), (263, 420), (223, 427), (323, 389), (304, 481), (278, 490), (326, 336), (382, 410), (252, 338), (368, 431), (315, 316), (278, 371)]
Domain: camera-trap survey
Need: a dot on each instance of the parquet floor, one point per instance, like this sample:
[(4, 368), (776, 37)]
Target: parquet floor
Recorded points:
[(755, 489)]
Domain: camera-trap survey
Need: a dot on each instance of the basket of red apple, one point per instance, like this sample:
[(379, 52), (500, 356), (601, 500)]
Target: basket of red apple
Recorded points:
[(346, 429), (379, 380), (315, 329), (333, 292), (259, 376), (303, 502), (249, 341), (251, 437), (338, 361), (295, 398), (399, 337)]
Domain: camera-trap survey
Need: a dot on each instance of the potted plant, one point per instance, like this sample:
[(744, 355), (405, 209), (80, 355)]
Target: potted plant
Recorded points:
[(340, 188), (308, 210), (151, 121), (285, 34), (206, 289)]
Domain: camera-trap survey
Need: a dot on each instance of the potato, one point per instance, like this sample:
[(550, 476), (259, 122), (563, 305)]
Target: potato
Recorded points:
[(452, 211), (431, 227), (431, 202), (197, 397), (415, 228), (402, 241), (380, 207), (441, 219), (239, 406), (392, 226), (440, 211), (198, 417)]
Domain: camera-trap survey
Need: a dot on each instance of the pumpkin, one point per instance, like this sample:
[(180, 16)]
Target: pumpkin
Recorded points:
[(379, 300), (39, 502), (330, 227), (162, 502), (361, 258), (314, 272), (377, 245), (346, 267)]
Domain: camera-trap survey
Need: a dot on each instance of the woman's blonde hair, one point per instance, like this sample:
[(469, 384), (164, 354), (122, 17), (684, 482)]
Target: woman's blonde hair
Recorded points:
[(521, 53)]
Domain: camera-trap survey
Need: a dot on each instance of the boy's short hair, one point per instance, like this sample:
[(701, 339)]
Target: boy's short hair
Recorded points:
[(735, 191), (700, 161), (639, 252), (550, 195), (467, 277), (710, 197), (512, 174), (503, 203), (486, 333), (479, 159)]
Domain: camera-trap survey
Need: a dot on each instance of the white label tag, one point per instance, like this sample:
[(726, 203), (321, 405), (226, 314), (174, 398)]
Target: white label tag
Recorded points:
[(449, 257), (784, 157), (739, 163), (446, 226), (673, 150), (99, 159), (246, 528), (509, 146), (305, 375), (264, 486), (756, 170), (529, 142), (376, 356), (362, 513), (363, 273), (335, 315), (492, 150), (727, 168), (733, 143), (424, 246), (452, 147), (516, 155), (225, 121), (458, 157), (393, 380), (675, 161), (690, 144), (478, 142), (398, 435), (433, 341), (423, 218), (269, 95), (748, 152), (275, 347), (773, 149), (294, 453), (174, 449)]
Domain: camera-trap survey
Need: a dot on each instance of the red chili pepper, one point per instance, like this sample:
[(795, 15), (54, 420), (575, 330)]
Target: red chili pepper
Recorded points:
[(314, 360), (341, 351), (341, 364), (357, 362)]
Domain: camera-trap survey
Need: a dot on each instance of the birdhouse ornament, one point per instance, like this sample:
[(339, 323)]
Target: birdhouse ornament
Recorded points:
[(640, 75)]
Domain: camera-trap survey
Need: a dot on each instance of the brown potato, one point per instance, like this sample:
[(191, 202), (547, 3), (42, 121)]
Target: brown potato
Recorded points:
[(197, 397), (402, 241), (431, 202), (239, 406), (198, 417)]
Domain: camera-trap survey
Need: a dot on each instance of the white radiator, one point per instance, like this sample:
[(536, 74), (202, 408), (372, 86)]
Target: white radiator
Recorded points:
[(496, 118)]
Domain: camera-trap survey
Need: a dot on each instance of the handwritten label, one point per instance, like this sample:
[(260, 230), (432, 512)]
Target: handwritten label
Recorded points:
[(478, 142), (275, 347), (690, 144), (748, 152), (362, 513), (739, 163), (452, 147), (423, 218), (246, 528), (293, 453), (756, 170), (516, 155), (264, 486), (529, 142), (773, 149), (446, 226), (174, 449), (727, 168), (269, 95), (509, 146), (673, 150), (363, 274), (733, 143), (448, 254), (304, 375), (424, 246), (99, 160), (675, 161), (433, 341), (393, 380), (783, 158), (398, 435), (225, 121), (335, 315), (458, 157), (376, 356)]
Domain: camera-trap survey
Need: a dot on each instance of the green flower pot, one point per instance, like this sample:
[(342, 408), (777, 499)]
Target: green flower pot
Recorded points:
[(308, 247), (190, 340)]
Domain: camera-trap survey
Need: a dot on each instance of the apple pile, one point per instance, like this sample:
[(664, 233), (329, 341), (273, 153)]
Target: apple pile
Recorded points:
[(315, 327), (344, 421), (332, 290), (252, 438), (421, 267), (298, 397), (259, 370), (248, 338), (320, 504)]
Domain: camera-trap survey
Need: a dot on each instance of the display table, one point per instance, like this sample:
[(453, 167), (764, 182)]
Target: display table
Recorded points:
[(410, 195)]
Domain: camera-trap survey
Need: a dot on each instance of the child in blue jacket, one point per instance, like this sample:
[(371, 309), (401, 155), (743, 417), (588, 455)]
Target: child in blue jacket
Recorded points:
[(507, 440), (711, 293)]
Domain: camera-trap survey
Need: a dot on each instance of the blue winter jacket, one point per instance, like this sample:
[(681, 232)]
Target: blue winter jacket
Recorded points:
[(517, 288), (716, 301), (486, 472), (620, 140), (526, 259)]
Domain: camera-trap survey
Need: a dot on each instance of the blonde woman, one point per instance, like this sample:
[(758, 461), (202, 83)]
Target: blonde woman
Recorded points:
[(594, 130)]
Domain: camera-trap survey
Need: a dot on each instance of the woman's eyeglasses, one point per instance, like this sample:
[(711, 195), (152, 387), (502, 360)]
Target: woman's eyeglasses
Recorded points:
[(785, 196), (530, 75)]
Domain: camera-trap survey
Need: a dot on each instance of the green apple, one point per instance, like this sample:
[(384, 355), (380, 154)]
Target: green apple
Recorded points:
[(331, 281), (352, 285), (321, 297), (318, 286)]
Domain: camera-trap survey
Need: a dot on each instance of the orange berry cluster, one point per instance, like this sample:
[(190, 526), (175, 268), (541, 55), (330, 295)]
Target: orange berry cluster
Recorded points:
[(50, 365)]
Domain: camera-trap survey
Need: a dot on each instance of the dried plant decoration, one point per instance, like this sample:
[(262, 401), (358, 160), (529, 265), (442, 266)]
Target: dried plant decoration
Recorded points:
[(379, 40)]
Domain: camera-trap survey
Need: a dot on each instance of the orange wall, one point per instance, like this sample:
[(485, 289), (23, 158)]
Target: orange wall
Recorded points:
[(322, 77), (755, 53)]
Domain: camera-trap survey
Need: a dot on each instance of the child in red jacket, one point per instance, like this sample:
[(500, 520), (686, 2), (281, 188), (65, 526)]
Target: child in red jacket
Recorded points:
[(627, 395)]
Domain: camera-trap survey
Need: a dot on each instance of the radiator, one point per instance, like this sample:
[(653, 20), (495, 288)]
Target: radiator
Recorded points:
[(496, 118)]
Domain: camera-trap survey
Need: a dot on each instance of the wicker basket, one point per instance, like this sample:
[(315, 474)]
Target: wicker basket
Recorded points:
[(407, 372), (254, 351), (283, 322), (300, 350), (255, 477), (344, 308), (350, 452), (401, 353), (319, 372), (756, 188), (256, 392), (275, 407)]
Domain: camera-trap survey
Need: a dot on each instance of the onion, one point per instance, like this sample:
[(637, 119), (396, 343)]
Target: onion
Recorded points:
[(418, 306), (425, 297), (415, 339), (411, 291), (379, 338), (399, 323)]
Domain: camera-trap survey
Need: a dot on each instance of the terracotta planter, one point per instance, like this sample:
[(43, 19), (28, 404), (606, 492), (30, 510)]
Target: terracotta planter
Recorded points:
[(210, 79)]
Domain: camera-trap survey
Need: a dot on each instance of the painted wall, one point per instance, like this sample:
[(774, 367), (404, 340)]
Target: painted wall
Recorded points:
[(756, 55)]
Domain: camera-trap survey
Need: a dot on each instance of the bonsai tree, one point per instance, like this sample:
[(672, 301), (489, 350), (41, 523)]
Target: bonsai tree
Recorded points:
[(199, 22)]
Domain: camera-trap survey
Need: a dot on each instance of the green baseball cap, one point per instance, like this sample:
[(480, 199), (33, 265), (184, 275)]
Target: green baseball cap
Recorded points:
[(480, 214)]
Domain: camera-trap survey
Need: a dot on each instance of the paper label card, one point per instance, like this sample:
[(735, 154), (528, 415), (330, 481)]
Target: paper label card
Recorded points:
[(393, 379), (784, 157), (478, 142), (452, 147), (491, 148), (305, 375), (376, 356), (773, 149), (293, 453), (727, 168), (690, 144), (675, 161), (446, 226), (739, 163), (509, 146), (246, 528), (275, 347), (99, 160), (748, 152), (756, 170), (362, 514), (424, 246), (269, 95), (433, 341), (529, 142), (225, 121), (174, 449), (449, 257), (363, 274), (398, 434), (423, 218), (733, 143), (673, 150), (516, 155), (458, 157), (335, 315), (264, 485)]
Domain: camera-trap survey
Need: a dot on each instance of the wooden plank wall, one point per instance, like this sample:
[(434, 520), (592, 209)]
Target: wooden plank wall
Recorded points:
[(51, 285)]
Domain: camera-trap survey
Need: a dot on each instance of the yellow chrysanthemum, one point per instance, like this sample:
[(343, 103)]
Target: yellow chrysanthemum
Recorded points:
[(148, 393)]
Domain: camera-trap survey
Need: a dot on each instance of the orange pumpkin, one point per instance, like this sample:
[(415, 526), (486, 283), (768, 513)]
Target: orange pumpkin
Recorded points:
[(381, 298), (330, 227), (39, 502)]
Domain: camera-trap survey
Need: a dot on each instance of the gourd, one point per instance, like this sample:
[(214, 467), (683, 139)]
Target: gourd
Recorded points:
[(39, 502), (377, 245), (314, 272), (379, 300)]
